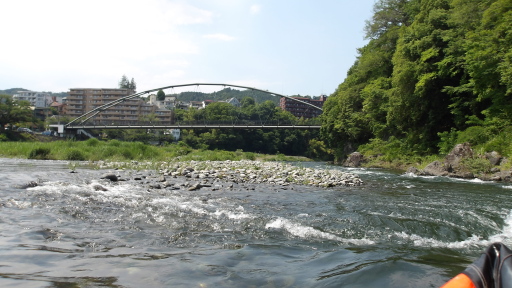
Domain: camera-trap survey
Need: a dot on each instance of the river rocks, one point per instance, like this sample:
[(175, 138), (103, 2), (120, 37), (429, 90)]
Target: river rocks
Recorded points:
[(98, 187), (27, 185), (203, 173), (198, 186), (110, 176), (453, 165), (254, 172)]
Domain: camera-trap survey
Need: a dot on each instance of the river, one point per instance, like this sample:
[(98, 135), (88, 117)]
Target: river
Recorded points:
[(395, 231)]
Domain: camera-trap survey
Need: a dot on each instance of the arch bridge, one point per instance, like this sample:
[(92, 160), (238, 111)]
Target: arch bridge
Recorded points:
[(85, 121)]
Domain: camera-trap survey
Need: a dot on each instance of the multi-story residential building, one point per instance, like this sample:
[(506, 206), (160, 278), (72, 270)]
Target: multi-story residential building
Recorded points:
[(36, 99), (300, 109), (83, 100)]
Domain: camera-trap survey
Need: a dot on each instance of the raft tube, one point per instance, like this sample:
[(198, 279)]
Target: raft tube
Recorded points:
[(492, 270)]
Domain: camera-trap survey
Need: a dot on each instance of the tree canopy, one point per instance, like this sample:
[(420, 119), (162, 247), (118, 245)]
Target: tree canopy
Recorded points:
[(160, 95), (124, 83), (431, 67), (13, 112)]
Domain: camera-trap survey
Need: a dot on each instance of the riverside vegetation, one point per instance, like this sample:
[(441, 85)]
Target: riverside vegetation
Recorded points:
[(115, 150), (435, 73)]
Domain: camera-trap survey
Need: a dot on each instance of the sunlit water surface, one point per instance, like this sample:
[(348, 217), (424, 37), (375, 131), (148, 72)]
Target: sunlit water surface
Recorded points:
[(395, 231)]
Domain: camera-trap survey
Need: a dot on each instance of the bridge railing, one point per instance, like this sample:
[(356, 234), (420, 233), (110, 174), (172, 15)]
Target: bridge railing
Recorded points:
[(124, 123)]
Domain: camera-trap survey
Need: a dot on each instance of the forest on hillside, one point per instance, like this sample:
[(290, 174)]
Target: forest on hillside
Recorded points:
[(434, 73), (228, 93), (225, 94)]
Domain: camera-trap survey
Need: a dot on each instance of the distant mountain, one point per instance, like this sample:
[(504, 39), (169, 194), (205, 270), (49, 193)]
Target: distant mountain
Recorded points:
[(228, 93), (13, 91)]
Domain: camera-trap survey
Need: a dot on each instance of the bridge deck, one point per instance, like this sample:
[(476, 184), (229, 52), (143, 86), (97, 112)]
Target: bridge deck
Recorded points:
[(196, 126)]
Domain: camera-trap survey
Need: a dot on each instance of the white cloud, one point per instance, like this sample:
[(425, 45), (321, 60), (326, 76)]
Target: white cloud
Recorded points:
[(255, 9), (98, 40), (219, 36)]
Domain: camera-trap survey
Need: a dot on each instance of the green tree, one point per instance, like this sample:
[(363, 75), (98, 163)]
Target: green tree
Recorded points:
[(124, 83), (133, 85), (388, 15), (489, 60), (247, 102), (418, 105), (12, 112), (160, 95)]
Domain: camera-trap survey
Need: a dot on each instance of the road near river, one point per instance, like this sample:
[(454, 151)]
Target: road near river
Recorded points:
[(394, 231)]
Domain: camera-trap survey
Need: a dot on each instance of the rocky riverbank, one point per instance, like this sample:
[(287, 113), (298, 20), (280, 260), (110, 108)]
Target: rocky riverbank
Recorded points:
[(216, 174), (461, 162)]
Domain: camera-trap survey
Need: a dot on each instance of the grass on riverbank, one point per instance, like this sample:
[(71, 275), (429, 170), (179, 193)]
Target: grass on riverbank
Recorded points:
[(114, 150)]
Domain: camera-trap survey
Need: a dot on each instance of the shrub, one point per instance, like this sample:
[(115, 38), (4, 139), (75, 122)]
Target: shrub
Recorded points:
[(93, 142), (114, 143), (181, 150), (127, 154), (448, 141), (108, 152), (75, 155), (501, 144), (476, 165), (40, 153), (390, 150), (475, 135), (250, 156)]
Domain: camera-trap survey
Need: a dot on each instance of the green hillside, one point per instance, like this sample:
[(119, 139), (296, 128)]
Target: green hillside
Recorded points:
[(11, 91), (434, 73), (227, 93)]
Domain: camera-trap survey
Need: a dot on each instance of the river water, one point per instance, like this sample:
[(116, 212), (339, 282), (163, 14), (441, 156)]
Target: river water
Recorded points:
[(395, 231)]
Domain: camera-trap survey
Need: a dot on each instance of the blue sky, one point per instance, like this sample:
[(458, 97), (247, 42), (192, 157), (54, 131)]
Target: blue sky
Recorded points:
[(285, 46)]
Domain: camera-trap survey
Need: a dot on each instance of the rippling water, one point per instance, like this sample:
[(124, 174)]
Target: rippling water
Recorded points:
[(395, 231)]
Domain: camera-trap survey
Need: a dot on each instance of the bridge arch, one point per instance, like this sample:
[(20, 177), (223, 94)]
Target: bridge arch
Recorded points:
[(85, 117)]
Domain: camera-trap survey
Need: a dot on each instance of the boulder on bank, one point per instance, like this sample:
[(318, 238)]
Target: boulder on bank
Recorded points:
[(493, 157), (354, 160), (435, 168), (459, 152), (413, 170), (452, 165)]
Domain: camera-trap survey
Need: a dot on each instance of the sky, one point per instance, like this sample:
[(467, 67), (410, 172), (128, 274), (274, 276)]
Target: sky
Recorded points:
[(290, 47)]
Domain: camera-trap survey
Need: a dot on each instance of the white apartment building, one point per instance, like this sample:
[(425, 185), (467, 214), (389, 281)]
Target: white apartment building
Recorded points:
[(36, 99)]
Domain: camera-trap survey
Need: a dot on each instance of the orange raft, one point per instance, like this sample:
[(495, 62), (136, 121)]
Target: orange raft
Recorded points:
[(492, 270)]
